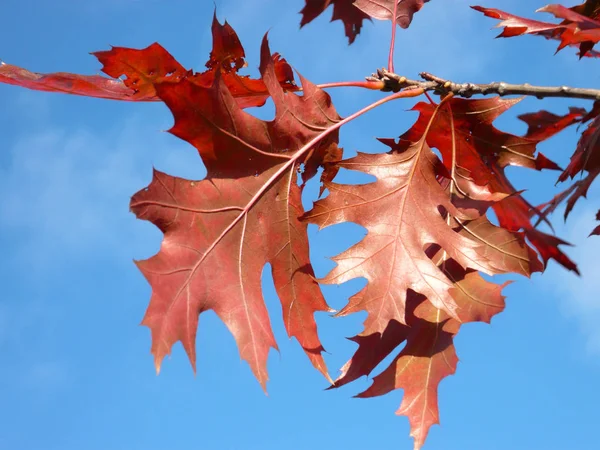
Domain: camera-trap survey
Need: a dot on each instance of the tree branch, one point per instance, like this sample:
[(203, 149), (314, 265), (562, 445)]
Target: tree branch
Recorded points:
[(394, 82)]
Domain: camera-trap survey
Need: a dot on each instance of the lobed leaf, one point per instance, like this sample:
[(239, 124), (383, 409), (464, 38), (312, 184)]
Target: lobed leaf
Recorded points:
[(220, 232)]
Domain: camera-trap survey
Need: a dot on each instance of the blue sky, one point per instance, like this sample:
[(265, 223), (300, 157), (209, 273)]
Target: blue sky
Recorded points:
[(76, 371)]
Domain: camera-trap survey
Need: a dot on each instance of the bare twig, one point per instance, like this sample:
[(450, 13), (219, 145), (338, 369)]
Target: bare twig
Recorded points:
[(394, 82)]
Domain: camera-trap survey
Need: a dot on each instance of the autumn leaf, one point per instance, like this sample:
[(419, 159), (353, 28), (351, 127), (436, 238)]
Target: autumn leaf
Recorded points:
[(220, 232), (429, 354), (227, 53), (384, 9), (474, 150), (143, 69), (343, 10), (392, 256), (579, 27), (585, 159), (587, 152), (428, 357), (544, 124)]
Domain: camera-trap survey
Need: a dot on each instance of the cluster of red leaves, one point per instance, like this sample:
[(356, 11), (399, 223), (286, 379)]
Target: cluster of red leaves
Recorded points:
[(146, 68), (423, 281), (585, 159), (428, 240), (220, 232), (580, 25)]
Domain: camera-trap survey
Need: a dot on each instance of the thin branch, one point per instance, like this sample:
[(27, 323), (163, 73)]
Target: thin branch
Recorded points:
[(394, 83)]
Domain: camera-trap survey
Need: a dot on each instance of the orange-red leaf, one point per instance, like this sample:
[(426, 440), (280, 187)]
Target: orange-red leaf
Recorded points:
[(428, 357), (392, 257), (144, 69), (474, 150), (429, 354), (220, 232)]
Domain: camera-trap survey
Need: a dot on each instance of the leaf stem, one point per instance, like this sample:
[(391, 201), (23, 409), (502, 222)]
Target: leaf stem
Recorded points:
[(393, 40), (373, 85)]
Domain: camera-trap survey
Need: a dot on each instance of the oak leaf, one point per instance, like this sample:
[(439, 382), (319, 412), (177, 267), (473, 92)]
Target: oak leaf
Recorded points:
[(220, 232), (474, 150), (585, 159), (392, 256), (429, 354)]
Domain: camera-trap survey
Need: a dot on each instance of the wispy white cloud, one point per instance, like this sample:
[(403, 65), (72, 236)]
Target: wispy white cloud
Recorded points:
[(46, 375), (66, 193)]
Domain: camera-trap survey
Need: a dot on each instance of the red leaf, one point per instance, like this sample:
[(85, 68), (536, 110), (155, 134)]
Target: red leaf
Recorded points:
[(474, 150), (587, 153), (428, 357), (144, 69), (343, 10), (384, 9), (221, 231), (227, 53), (586, 158), (544, 124), (429, 354), (475, 140), (577, 28)]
